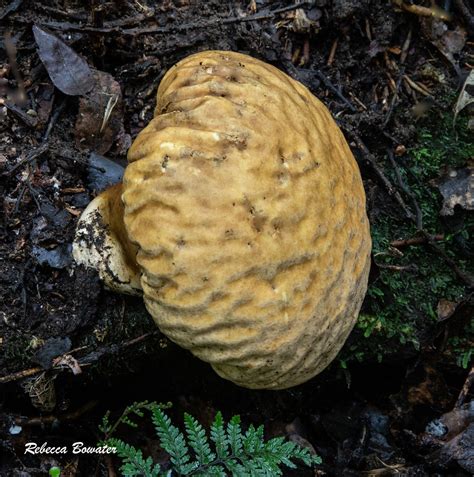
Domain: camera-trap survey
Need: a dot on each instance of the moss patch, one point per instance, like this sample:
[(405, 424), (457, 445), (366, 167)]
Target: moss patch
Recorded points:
[(400, 311)]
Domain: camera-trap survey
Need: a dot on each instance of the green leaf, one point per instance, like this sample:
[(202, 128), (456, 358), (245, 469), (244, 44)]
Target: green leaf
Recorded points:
[(234, 433), (218, 436), (133, 462), (197, 439), (171, 440)]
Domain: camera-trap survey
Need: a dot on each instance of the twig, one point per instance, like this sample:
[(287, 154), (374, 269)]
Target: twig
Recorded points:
[(419, 10), (44, 146), (415, 241), (403, 56), (41, 149), (332, 53), (465, 277), (406, 46), (105, 350), (53, 120), (12, 7), (114, 348), (28, 120), (56, 11), (372, 162), (20, 375), (70, 416), (418, 220), (358, 101), (419, 216), (399, 268), (394, 97), (368, 31), (33, 191), (174, 28), (417, 86), (335, 90)]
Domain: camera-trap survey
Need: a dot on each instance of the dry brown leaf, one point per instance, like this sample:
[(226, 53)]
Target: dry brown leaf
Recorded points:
[(68, 71), (100, 118), (466, 96), (457, 188)]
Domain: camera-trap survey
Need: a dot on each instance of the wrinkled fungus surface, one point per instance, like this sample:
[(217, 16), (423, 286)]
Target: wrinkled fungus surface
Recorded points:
[(247, 211)]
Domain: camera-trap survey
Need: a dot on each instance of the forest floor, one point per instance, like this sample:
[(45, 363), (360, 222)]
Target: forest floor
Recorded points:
[(396, 401)]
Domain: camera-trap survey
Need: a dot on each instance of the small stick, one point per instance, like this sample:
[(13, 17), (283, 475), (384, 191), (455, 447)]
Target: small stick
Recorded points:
[(421, 11), (418, 217), (415, 241), (335, 90), (20, 375), (65, 26), (394, 97), (28, 120), (417, 86), (398, 268), (465, 277), (70, 416), (405, 47), (367, 29), (43, 147), (332, 53), (11, 7), (358, 101), (388, 185)]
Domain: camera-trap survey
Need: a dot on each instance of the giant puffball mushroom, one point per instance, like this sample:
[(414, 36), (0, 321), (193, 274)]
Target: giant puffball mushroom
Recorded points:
[(242, 218)]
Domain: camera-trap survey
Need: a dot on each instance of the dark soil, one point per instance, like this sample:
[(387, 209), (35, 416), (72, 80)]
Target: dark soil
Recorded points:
[(362, 416)]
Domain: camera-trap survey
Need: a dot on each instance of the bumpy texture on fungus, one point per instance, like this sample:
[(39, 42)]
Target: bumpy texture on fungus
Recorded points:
[(248, 213)]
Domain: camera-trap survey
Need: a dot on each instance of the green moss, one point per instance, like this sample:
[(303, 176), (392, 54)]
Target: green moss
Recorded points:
[(461, 347), (17, 349), (400, 309)]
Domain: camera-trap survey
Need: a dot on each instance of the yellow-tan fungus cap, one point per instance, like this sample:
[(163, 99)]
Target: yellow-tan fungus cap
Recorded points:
[(247, 211)]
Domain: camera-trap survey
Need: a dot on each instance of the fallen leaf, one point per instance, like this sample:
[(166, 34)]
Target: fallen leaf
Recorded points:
[(445, 309), (449, 42), (466, 97), (51, 349), (457, 188), (59, 257), (103, 172), (68, 71), (100, 118)]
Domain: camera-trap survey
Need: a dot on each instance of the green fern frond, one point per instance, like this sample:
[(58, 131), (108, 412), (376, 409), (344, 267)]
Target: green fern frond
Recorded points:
[(229, 451), (218, 436), (234, 435), (172, 441), (197, 439), (133, 462), (253, 440)]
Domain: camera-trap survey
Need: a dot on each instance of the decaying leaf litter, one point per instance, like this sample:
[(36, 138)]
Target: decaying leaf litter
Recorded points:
[(386, 70)]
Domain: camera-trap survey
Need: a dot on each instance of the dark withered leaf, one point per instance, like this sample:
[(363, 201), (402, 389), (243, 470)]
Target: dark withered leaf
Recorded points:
[(67, 70)]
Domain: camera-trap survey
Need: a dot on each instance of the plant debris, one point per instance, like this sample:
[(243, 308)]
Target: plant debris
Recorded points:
[(457, 189), (67, 70)]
